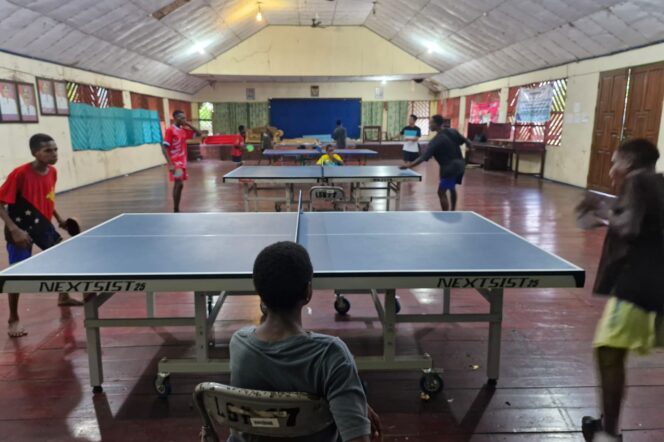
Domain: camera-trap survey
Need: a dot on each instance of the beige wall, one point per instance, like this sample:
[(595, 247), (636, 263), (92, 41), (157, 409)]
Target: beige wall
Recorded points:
[(221, 92), (304, 51), (570, 161), (75, 168)]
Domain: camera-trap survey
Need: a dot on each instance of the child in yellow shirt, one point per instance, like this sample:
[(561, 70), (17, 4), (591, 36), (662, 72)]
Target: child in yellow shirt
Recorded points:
[(330, 158)]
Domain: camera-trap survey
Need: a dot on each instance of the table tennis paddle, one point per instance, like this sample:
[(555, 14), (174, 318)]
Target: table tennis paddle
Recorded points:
[(72, 227)]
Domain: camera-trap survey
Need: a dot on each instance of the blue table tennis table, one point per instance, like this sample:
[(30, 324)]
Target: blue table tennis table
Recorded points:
[(364, 182), (303, 155), (374, 253)]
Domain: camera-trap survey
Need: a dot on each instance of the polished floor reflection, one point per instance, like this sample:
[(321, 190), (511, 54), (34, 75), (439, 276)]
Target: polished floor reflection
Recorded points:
[(547, 381)]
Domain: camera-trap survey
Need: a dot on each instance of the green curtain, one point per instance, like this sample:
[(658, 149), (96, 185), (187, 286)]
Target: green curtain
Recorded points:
[(259, 114), (221, 118), (227, 117), (372, 113), (397, 114), (95, 128)]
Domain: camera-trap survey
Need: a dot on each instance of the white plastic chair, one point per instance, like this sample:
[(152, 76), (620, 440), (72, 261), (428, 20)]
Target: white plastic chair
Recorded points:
[(260, 413), (331, 194)]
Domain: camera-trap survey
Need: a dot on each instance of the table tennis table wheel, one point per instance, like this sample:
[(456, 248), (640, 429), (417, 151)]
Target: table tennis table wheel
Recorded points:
[(342, 305), (492, 382), (431, 383), (162, 385), (97, 389)]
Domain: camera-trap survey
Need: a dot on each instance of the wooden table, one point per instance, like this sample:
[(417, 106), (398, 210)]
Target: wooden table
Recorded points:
[(513, 149)]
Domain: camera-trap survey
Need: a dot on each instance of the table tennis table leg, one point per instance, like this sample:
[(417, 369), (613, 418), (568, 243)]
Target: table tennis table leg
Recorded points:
[(389, 196), (495, 330), (289, 196), (389, 326), (93, 344), (447, 294), (397, 193), (200, 321), (245, 193), (149, 301)]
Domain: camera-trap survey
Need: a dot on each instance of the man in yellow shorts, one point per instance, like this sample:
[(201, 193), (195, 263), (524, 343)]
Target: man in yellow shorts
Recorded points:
[(631, 273)]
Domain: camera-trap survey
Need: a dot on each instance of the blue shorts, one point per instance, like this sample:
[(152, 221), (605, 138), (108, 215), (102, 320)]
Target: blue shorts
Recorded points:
[(17, 254), (447, 183)]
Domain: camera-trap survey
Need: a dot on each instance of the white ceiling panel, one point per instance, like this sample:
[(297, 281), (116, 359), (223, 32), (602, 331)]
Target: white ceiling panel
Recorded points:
[(466, 40)]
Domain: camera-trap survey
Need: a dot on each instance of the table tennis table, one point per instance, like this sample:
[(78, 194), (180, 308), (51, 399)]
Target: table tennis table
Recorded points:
[(363, 180), (374, 253), (303, 155)]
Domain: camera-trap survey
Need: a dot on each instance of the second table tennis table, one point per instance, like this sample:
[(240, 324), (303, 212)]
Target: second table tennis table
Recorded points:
[(365, 252), (386, 180)]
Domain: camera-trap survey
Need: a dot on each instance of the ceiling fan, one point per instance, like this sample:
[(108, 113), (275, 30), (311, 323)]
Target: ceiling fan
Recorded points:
[(316, 22)]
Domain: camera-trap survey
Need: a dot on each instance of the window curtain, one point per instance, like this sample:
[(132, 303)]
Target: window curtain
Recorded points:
[(93, 128), (372, 113), (227, 117), (259, 115), (397, 116)]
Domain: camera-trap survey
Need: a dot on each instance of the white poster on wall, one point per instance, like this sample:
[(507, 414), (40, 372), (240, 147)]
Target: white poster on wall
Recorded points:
[(534, 104)]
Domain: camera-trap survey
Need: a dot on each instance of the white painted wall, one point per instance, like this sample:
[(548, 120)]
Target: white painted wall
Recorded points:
[(302, 51), (220, 92), (569, 162), (82, 167)]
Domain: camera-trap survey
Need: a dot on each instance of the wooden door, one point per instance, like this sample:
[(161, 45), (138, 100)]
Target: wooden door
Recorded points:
[(644, 102), (608, 128)]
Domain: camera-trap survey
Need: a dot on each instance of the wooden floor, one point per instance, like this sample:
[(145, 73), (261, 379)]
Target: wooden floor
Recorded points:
[(547, 382)]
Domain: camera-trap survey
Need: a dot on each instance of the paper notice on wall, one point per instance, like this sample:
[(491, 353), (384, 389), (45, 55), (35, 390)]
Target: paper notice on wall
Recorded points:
[(534, 104)]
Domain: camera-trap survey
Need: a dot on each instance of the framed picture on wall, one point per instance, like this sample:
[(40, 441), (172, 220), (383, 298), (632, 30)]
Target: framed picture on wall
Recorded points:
[(9, 112), (315, 91), (61, 100), (251, 93), (46, 96), (27, 102)]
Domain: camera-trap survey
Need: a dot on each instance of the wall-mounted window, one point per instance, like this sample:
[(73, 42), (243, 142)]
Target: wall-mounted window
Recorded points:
[(550, 132), (95, 96), (422, 110), (205, 111), (149, 102)]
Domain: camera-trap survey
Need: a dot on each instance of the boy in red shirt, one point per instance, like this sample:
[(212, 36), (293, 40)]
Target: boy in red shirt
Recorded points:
[(236, 151), (175, 152), (29, 193)]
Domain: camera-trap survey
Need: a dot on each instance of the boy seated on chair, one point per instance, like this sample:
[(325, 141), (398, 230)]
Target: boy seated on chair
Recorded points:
[(330, 158), (279, 355)]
